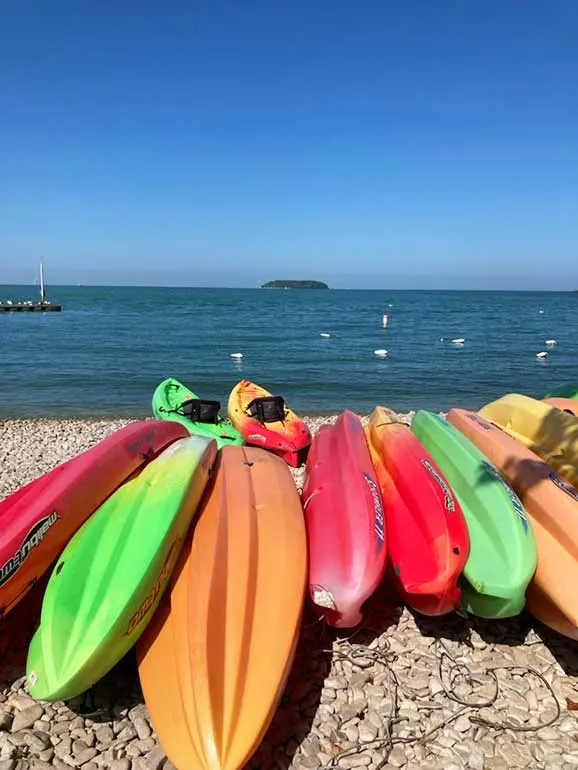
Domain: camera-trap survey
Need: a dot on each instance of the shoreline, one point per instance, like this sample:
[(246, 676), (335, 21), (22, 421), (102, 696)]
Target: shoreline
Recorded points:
[(397, 674)]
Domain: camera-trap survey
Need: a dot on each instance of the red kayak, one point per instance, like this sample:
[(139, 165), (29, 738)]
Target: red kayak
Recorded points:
[(344, 519), (38, 520), (427, 537)]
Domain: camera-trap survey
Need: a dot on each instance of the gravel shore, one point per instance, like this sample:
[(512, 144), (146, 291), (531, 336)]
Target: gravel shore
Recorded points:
[(401, 692)]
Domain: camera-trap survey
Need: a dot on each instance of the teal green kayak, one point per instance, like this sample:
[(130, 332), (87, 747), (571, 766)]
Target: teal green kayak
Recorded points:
[(110, 577), (174, 401), (567, 390), (502, 558)]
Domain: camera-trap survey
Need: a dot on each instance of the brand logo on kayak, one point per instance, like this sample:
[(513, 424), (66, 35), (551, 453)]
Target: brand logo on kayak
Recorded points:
[(257, 437), (34, 537), (449, 500), (516, 502), (378, 510), (145, 442), (564, 485), (155, 591), (479, 420)]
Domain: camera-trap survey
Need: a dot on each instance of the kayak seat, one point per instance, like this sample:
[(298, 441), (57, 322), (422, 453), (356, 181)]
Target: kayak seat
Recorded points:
[(267, 409), (200, 410)]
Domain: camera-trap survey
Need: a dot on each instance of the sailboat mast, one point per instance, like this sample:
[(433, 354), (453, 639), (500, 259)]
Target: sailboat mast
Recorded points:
[(42, 294)]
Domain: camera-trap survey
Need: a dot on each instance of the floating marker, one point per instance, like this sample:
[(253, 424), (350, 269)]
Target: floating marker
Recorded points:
[(381, 352), (236, 355)]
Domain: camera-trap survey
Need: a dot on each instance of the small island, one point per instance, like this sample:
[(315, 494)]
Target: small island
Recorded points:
[(294, 285)]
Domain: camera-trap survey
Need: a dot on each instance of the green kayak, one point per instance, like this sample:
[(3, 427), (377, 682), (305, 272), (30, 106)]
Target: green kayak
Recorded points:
[(173, 401), (110, 577), (567, 390), (502, 556)]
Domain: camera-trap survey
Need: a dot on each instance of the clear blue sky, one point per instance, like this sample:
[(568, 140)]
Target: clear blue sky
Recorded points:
[(410, 144)]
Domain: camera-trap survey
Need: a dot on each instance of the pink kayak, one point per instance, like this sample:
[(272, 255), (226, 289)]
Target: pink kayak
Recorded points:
[(38, 520), (345, 522)]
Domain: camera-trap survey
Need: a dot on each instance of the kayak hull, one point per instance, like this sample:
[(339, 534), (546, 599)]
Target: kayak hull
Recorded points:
[(427, 536), (552, 506), (569, 405), (345, 522), (38, 520), (289, 439), (214, 660), (109, 579), (502, 558), (549, 432), (169, 396)]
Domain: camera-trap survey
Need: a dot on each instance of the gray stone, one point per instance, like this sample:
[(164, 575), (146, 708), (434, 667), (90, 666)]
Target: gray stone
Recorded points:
[(354, 761), (120, 764), (128, 733), (26, 718), (90, 766), (46, 755), (7, 764), (155, 759), (84, 755), (38, 740), (397, 756), (142, 728), (104, 735), (40, 764), (310, 763)]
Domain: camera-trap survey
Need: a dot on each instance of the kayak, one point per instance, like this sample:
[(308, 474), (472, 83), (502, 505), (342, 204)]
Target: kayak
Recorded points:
[(38, 520), (427, 536), (345, 522), (569, 405), (214, 660), (502, 557), (174, 401), (547, 431), (265, 420), (567, 390), (552, 506), (109, 579)]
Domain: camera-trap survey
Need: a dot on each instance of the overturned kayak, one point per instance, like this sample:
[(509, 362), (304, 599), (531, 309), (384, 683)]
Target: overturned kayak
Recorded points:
[(552, 506), (174, 401), (214, 660), (345, 522), (109, 579), (38, 520), (266, 421), (427, 536), (549, 432), (569, 405), (502, 557)]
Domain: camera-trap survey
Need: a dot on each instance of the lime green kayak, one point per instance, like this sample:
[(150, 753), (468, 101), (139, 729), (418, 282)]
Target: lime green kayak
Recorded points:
[(567, 390), (173, 401), (502, 556), (110, 577)]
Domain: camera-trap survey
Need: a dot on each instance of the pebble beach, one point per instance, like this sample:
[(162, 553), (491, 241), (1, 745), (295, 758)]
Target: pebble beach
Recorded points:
[(401, 691)]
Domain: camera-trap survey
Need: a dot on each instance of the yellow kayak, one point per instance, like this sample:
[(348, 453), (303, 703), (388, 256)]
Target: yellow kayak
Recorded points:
[(548, 431)]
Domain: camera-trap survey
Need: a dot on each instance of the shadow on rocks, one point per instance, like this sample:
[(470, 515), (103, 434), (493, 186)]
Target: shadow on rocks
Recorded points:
[(296, 711), (16, 632), (509, 631), (381, 612), (452, 627), (114, 694)]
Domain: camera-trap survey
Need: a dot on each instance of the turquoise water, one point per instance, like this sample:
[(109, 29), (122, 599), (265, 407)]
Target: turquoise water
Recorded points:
[(109, 347)]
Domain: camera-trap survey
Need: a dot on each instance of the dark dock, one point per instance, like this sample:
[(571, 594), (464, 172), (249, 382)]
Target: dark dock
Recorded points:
[(39, 307)]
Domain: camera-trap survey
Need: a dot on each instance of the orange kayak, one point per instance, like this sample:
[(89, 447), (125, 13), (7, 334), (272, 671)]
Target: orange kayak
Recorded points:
[(213, 661), (266, 421), (552, 507)]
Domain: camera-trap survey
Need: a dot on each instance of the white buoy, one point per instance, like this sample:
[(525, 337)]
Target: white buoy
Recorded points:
[(459, 341), (381, 352), (551, 343), (325, 334), (384, 320), (540, 311), (236, 355), (542, 355)]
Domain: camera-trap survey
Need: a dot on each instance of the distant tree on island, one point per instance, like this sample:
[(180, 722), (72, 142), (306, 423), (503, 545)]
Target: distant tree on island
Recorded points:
[(294, 285)]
